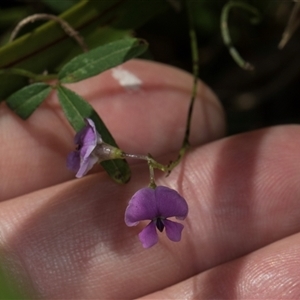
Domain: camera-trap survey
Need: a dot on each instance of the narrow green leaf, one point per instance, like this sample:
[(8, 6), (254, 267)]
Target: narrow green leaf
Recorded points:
[(76, 109), (101, 59), (26, 100)]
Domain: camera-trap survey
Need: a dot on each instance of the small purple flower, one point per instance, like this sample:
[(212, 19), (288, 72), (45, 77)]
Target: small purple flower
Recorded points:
[(90, 149), (82, 159), (156, 205)]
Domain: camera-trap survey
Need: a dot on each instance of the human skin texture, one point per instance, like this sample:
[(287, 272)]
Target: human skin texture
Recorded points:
[(65, 238)]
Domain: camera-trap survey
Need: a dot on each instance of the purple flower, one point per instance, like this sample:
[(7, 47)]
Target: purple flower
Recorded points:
[(156, 205), (90, 149), (82, 159)]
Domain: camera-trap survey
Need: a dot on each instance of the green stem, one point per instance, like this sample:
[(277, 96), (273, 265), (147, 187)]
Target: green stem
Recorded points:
[(152, 183), (225, 31), (25, 73), (152, 163), (195, 60)]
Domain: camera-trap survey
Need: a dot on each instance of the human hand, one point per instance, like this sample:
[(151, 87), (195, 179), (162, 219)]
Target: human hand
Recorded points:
[(64, 238)]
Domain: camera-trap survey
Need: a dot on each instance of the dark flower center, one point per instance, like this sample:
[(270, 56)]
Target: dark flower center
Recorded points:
[(159, 224), (78, 147)]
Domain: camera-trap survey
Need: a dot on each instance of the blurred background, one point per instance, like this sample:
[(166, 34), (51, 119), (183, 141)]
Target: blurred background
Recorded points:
[(269, 95)]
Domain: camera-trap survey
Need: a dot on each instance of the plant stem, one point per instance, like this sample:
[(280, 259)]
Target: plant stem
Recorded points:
[(292, 25), (31, 75), (225, 31), (195, 61), (152, 183), (152, 163)]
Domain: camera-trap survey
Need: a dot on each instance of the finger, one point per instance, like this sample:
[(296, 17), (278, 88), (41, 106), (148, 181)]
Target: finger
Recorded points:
[(235, 189), (147, 119), (269, 273), (239, 188)]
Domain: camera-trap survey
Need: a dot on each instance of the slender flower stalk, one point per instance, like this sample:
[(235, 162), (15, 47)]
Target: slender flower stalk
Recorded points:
[(32, 76)]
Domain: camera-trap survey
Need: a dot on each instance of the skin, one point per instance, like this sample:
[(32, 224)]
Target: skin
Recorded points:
[(65, 238)]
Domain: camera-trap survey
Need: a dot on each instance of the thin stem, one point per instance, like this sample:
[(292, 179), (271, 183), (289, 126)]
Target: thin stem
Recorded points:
[(152, 163), (152, 183), (292, 25), (195, 59), (64, 25), (135, 156), (25, 73), (175, 163), (226, 35)]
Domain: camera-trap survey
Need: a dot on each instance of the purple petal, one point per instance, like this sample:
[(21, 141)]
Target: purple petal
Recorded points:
[(90, 122), (82, 160), (142, 206), (88, 141), (170, 203), (173, 230), (86, 164), (89, 125), (87, 130), (92, 125), (148, 236), (73, 161)]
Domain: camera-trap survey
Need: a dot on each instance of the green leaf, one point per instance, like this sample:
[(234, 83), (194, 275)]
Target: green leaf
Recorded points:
[(101, 59), (25, 101), (76, 109)]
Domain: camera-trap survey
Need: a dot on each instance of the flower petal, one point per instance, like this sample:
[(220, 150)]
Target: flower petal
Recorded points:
[(142, 206), (173, 230), (170, 203), (82, 160), (148, 236), (86, 164), (81, 134), (91, 123), (73, 161), (88, 139)]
